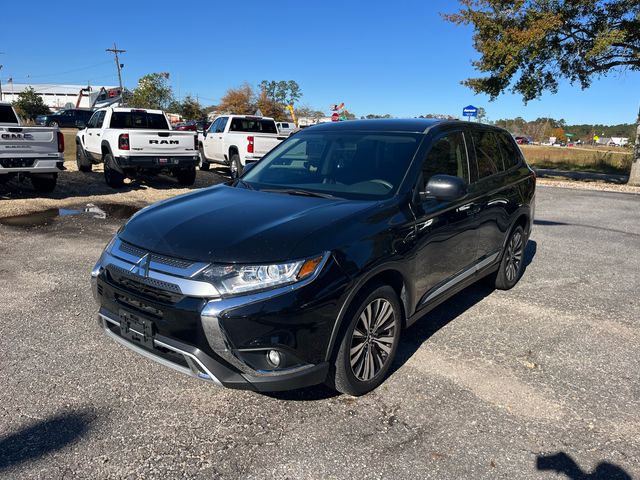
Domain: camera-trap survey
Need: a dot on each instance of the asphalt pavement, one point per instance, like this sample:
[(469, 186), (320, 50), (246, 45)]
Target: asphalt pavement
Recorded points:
[(537, 382)]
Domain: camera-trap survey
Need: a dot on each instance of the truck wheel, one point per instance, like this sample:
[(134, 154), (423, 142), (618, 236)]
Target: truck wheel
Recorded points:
[(204, 165), (235, 166), (44, 182), (83, 163), (186, 176), (369, 344), (112, 177)]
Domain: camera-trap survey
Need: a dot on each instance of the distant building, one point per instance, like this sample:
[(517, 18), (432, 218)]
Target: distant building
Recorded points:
[(611, 141), (57, 97)]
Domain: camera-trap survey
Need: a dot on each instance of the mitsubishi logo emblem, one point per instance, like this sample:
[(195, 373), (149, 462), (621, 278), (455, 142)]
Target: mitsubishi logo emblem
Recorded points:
[(142, 266)]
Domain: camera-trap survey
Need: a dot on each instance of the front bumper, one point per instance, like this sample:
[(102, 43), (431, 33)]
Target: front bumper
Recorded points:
[(224, 341), (31, 165)]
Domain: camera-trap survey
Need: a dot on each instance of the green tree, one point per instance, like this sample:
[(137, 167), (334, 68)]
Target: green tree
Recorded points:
[(284, 92), (190, 109), (306, 111), (29, 104), (482, 115), (153, 91), (527, 46)]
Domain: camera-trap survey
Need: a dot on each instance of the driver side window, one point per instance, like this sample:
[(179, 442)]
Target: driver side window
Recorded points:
[(448, 156)]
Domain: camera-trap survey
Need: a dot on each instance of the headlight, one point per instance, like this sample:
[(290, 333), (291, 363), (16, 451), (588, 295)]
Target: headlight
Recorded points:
[(234, 279)]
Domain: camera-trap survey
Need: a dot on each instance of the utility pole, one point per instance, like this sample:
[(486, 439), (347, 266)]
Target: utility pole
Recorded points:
[(115, 50)]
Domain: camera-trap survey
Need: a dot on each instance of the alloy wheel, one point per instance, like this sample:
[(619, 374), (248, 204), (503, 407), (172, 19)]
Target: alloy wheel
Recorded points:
[(372, 339), (514, 256)]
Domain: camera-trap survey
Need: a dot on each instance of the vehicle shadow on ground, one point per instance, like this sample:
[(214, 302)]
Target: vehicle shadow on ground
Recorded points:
[(443, 314), (614, 178), (43, 437), (72, 183), (564, 464), (418, 333)]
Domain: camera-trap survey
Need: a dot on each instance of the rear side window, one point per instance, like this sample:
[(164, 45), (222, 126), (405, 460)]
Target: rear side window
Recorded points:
[(222, 124), (139, 119), (448, 156), (510, 153), (488, 153), (254, 125), (7, 115)]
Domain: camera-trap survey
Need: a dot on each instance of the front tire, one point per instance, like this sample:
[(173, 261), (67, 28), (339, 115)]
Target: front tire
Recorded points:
[(235, 166), (53, 124), (83, 163), (369, 344), (512, 264), (112, 177), (44, 182)]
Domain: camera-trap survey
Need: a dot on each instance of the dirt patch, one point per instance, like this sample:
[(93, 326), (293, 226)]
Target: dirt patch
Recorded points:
[(76, 188)]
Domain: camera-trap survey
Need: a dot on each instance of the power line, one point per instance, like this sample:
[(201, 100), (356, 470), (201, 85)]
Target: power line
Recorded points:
[(115, 50)]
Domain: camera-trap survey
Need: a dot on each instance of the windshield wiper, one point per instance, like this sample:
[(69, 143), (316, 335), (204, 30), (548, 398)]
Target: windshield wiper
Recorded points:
[(297, 191)]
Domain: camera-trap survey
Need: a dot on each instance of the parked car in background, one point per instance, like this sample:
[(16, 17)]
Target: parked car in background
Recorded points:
[(286, 128), (68, 118), (236, 140), (130, 141), (523, 140), (186, 127), (307, 268), (202, 125), (33, 152)]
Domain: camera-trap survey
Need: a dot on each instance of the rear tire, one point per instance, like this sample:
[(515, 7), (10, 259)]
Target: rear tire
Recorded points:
[(112, 177), (235, 166), (204, 165), (53, 124), (369, 344), (512, 264), (44, 182), (83, 163), (186, 176)]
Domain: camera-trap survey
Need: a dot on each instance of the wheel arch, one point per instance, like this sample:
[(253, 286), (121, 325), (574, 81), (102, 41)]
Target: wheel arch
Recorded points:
[(382, 276)]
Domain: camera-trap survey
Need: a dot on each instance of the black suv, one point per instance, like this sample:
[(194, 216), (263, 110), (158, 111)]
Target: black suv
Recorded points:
[(65, 118), (306, 269)]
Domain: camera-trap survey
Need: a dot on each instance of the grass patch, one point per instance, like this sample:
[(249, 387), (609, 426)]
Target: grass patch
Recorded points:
[(582, 159)]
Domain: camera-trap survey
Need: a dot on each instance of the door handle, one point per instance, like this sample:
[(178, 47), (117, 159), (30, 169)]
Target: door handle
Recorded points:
[(470, 208), (98, 134), (90, 134)]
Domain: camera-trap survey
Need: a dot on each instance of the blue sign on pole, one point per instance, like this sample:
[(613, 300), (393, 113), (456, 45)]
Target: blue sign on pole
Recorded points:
[(470, 111)]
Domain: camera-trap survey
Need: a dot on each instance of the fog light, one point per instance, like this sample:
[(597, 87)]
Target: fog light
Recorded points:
[(275, 358)]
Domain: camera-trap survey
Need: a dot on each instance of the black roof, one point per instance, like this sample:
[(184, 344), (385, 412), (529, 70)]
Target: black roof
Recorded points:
[(409, 125)]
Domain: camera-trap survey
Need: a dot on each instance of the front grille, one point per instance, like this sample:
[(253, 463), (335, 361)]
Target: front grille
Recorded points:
[(17, 162), (138, 252), (148, 287)]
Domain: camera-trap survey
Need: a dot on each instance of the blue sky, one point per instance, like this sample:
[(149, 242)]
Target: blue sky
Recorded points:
[(378, 57)]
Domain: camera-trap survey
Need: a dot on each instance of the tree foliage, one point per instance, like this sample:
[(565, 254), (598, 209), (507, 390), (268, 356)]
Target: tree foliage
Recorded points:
[(528, 45), (153, 91), (240, 100), (190, 109), (29, 104), (306, 111), (284, 92)]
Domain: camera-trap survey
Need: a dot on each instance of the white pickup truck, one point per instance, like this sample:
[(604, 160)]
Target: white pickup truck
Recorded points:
[(235, 140), (131, 140), (34, 152)]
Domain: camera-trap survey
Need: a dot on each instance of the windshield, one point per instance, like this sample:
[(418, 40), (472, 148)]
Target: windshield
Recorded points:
[(356, 165), (139, 119), (7, 115)]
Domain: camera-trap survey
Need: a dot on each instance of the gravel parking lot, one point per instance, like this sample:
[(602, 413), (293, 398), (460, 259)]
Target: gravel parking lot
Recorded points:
[(537, 382)]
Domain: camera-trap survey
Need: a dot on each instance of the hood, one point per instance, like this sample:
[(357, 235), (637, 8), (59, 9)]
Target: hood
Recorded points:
[(235, 225)]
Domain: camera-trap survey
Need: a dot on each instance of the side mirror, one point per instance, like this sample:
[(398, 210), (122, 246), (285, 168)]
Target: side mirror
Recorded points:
[(445, 187), (80, 124)]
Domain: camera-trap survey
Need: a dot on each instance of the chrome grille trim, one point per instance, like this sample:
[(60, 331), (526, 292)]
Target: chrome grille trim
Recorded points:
[(160, 263)]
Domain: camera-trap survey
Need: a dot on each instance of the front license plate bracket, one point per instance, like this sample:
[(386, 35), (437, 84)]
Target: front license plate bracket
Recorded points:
[(136, 329)]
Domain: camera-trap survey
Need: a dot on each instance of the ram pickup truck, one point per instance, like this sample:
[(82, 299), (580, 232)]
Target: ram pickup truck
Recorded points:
[(130, 141), (235, 140), (33, 152)]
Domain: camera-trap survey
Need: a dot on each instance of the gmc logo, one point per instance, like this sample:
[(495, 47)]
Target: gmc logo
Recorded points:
[(164, 142), (16, 136)]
